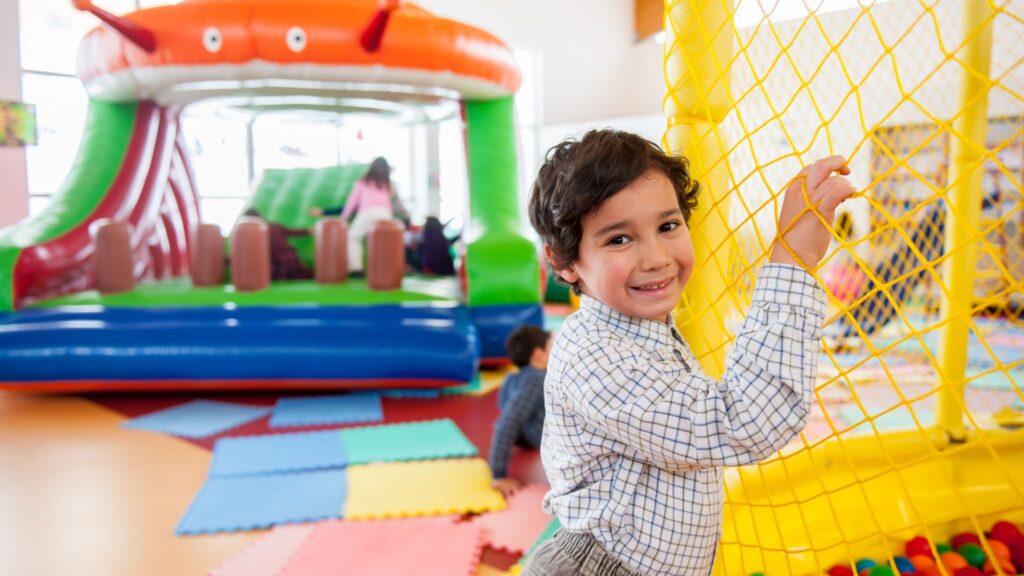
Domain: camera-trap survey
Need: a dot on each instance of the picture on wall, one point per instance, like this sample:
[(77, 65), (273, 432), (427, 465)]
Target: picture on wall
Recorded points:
[(17, 124)]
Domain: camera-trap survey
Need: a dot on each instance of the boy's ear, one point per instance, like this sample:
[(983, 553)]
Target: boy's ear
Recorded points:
[(568, 274)]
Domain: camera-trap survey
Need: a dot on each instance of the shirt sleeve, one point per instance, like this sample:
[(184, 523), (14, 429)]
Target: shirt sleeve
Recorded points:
[(675, 417), (353, 199), (521, 408)]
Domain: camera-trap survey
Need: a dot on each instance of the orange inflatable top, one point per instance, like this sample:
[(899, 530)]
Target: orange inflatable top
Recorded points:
[(181, 51)]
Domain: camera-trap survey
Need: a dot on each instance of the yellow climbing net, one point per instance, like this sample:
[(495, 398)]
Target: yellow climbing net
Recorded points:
[(916, 426)]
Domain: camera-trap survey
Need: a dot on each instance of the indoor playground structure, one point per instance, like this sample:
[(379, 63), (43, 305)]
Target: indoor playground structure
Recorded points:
[(140, 70), (912, 460), (913, 456)]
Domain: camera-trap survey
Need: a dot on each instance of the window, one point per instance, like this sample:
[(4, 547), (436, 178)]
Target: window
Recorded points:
[(49, 34)]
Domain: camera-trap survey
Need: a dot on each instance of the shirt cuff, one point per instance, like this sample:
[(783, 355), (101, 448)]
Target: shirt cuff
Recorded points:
[(791, 285)]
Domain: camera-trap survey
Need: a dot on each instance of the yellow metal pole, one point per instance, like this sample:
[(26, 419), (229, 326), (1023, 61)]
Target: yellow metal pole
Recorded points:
[(698, 50), (963, 215)]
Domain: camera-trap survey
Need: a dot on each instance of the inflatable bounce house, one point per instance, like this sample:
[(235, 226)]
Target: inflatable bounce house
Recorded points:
[(69, 324), (912, 458)]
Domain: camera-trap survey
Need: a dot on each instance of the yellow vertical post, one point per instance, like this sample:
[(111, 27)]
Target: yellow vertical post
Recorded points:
[(698, 51), (963, 215)]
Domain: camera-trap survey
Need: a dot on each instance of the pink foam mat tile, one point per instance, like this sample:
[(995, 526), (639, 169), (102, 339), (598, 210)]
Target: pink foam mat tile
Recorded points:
[(434, 546), (516, 527), (268, 555)]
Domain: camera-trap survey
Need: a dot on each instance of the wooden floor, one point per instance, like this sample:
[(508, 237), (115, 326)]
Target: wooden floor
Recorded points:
[(79, 495)]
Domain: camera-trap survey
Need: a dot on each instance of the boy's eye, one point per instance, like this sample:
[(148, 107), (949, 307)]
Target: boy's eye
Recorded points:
[(669, 226), (618, 240)]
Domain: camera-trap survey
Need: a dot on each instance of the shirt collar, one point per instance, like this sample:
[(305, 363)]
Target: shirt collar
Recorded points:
[(529, 369), (640, 329)]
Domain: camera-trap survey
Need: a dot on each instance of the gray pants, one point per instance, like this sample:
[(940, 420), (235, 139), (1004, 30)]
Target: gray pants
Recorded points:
[(573, 554)]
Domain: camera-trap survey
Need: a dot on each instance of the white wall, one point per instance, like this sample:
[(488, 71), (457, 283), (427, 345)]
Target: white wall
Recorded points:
[(13, 179), (593, 69)]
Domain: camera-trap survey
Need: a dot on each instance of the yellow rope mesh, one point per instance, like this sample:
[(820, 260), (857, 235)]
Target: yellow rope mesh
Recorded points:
[(916, 428)]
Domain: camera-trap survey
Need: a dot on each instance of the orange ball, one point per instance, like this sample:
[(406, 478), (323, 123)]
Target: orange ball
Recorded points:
[(1004, 564), (924, 565), (952, 561), (999, 550)]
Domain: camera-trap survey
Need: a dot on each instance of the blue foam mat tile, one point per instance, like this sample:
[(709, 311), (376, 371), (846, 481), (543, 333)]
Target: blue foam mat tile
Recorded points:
[(278, 453), (411, 393), (317, 410), (236, 503), (198, 418)]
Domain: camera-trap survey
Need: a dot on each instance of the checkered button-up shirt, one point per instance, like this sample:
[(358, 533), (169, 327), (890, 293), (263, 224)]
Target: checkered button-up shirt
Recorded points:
[(636, 434)]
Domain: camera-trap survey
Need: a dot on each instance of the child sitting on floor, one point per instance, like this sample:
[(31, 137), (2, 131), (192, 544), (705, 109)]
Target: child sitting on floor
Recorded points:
[(521, 402)]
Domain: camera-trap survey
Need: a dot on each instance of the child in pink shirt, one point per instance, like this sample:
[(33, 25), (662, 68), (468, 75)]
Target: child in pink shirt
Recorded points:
[(372, 199)]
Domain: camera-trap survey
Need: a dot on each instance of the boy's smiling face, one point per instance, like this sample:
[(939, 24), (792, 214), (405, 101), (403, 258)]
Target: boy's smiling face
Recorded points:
[(635, 253)]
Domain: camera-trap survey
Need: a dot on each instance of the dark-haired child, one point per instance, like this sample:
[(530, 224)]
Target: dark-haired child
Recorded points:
[(520, 402), (636, 434)]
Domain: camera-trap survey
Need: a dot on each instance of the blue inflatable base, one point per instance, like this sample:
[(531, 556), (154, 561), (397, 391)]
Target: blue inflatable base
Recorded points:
[(426, 343)]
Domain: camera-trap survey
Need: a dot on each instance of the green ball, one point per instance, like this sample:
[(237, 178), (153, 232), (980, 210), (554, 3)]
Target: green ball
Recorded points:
[(974, 554), (881, 570), (940, 548)]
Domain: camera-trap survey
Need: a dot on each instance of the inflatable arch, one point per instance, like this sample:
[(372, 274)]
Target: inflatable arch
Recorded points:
[(141, 69)]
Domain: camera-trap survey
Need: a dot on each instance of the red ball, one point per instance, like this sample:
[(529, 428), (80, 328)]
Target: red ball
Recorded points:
[(918, 546), (964, 538), (968, 571), (840, 570), (1017, 555), (1006, 532)]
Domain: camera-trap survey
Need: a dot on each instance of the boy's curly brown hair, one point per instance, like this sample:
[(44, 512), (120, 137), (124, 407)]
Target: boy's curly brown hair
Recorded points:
[(577, 177)]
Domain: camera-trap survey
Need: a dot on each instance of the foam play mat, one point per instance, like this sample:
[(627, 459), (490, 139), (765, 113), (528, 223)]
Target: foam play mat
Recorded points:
[(198, 418), (275, 453), (278, 453), (268, 555), (421, 546), (336, 409), (517, 527), (411, 441), (456, 486), (248, 502)]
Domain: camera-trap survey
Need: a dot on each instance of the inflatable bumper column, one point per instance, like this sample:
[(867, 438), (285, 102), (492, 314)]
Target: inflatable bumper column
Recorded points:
[(502, 270)]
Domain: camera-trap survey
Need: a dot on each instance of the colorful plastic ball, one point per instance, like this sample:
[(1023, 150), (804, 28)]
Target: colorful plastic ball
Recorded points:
[(918, 546), (1006, 532), (904, 565), (881, 570), (953, 561), (940, 548), (840, 570), (999, 549), (864, 572), (925, 565), (974, 555), (964, 538), (1017, 555), (757, 574), (968, 571), (1005, 565), (864, 564)]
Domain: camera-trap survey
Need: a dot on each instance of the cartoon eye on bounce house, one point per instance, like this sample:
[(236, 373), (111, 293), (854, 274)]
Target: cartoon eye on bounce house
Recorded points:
[(58, 333)]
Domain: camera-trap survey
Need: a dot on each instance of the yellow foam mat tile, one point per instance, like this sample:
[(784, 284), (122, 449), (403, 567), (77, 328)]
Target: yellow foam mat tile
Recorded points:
[(431, 487)]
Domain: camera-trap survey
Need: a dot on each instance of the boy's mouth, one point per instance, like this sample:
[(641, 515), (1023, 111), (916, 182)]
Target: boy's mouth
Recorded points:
[(654, 287)]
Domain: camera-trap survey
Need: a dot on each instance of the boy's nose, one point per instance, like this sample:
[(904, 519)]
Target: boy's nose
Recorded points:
[(656, 257)]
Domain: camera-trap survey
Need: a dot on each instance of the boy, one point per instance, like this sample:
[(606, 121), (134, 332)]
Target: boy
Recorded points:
[(636, 435), (520, 401)]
